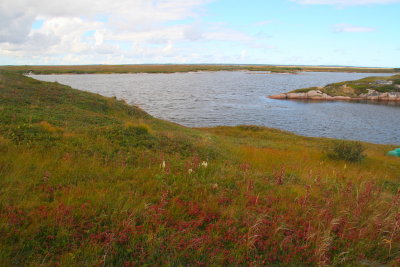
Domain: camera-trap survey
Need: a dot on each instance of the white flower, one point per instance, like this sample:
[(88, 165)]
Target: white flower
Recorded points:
[(204, 164), (163, 164), (190, 171)]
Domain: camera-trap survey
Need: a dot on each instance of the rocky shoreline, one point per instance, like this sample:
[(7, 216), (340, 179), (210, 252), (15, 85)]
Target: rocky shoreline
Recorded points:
[(319, 95)]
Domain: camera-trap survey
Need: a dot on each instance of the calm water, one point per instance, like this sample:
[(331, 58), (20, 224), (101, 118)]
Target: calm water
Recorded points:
[(234, 98)]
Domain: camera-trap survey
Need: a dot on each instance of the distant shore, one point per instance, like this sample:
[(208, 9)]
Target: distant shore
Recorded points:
[(173, 68)]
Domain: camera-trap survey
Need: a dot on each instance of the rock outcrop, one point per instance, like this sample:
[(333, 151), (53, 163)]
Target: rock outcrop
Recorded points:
[(319, 95)]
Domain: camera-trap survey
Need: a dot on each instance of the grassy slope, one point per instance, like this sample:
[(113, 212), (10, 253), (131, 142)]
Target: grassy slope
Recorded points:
[(355, 88), (182, 68), (82, 182)]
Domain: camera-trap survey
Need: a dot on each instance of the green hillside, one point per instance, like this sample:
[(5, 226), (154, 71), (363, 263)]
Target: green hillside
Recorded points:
[(87, 180)]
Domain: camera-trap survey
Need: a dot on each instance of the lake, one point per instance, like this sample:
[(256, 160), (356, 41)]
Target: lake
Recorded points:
[(203, 99)]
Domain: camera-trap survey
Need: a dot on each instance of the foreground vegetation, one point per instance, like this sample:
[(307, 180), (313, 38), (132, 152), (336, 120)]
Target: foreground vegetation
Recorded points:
[(91, 69), (87, 180)]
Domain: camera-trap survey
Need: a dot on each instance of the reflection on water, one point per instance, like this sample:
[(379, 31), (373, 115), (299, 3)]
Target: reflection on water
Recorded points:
[(234, 98)]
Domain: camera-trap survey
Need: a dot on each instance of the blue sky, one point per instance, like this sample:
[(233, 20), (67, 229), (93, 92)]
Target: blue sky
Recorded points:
[(287, 32)]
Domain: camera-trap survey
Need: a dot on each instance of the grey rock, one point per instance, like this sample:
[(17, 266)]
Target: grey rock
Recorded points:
[(383, 82)]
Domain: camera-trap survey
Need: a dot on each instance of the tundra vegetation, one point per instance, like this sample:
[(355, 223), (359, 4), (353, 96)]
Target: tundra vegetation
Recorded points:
[(169, 68), (87, 180)]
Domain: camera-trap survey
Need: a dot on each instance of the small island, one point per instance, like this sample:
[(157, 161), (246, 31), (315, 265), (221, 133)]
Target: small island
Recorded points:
[(370, 88)]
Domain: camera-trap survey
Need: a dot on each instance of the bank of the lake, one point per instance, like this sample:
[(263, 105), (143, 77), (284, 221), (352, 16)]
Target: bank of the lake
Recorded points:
[(207, 99)]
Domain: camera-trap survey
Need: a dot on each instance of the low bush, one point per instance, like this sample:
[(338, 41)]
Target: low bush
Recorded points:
[(386, 88), (351, 151), (31, 134), (130, 136)]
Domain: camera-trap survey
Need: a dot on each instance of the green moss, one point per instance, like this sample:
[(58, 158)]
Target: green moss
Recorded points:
[(386, 88), (360, 88), (304, 90)]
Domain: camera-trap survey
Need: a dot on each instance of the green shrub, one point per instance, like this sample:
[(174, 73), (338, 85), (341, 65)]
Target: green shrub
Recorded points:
[(31, 134), (386, 88), (351, 151), (397, 81), (130, 136)]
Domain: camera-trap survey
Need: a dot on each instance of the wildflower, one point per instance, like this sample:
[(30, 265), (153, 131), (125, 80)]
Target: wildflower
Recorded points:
[(46, 176), (204, 164), (190, 171), (163, 164)]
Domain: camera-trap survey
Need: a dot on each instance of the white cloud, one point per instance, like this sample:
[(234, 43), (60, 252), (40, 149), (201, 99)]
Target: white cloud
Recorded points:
[(228, 35), (123, 31), (345, 2), (261, 23), (351, 28)]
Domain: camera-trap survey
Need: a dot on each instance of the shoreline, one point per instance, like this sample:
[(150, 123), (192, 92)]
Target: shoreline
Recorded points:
[(367, 89), (177, 68), (386, 97)]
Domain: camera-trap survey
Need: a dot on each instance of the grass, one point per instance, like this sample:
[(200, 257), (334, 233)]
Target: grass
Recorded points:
[(87, 180)]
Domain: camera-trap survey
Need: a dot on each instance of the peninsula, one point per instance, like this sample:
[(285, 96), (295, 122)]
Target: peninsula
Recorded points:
[(370, 88)]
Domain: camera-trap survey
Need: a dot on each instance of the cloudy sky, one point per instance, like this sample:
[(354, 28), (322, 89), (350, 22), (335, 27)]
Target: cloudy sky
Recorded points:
[(306, 32)]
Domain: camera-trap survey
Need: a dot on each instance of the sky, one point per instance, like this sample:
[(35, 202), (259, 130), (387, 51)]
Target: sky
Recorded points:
[(281, 32)]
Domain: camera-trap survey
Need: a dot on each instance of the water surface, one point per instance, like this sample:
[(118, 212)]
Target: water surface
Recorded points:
[(233, 98)]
